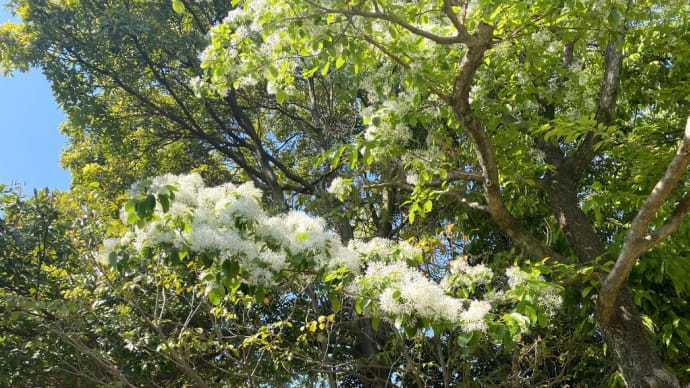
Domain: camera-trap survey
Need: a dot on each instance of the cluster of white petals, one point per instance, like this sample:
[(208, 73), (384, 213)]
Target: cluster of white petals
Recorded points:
[(548, 296), (473, 318), (466, 275), (227, 223), (402, 290), (339, 187), (515, 276)]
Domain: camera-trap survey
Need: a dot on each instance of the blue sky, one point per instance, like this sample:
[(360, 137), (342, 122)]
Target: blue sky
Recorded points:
[(30, 141)]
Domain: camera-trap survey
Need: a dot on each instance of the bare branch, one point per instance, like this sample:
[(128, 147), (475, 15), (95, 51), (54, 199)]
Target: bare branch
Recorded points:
[(387, 52), (101, 360), (636, 242)]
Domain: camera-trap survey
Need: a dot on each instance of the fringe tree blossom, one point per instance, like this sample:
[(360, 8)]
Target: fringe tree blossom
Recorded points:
[(178, 216)]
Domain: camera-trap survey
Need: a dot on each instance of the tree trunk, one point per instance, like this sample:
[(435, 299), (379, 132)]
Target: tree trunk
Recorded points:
[(629, 343)]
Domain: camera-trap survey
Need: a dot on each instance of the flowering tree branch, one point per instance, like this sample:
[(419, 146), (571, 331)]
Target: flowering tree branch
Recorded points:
[(247, 246)]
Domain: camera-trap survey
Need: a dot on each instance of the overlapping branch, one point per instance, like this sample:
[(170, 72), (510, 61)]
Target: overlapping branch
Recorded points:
[(484, 148), (638, 241), (462, 35)]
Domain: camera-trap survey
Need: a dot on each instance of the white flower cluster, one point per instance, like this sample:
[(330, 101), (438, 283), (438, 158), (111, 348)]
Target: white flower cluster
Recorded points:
[(252, 44), (467, 275), (385, 123), (402, 290), (339, 187), (547, 296), (473, 318), (227, 223), (515, 276)]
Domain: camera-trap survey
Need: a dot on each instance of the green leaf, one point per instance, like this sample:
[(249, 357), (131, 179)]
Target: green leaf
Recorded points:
[(326, 67), (335, 160), (259, 295), (339, 62), (164, 201), (281, 96), (174, 257), (335, 302), (231, 268), (531, 313), (131, 206), (215, 295), (178, 6), (354, 155), (331, 276), (586, 291), (361, 304)]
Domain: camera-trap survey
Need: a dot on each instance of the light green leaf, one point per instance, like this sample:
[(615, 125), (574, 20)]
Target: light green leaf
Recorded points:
[(178, 6), (326, 67), (339, 62)]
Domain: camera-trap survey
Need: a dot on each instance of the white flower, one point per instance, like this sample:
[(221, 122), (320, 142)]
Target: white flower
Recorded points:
[(203, 238), (196, 83), (109, 246), (473, 317), (275, 261), (412, 178), (271, 87), (550, 300), (249, 190), (339, 187), (379, 246), (234, 15), (392, 305), (405, 290), (408, 251), (245, 208), (515, 276), (344, 257), (468, 275), (305, 232), (270, 228)]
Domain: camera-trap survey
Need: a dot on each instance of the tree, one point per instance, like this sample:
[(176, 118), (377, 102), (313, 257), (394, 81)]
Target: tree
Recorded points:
[(478, 64), (51, 334), (503, 132)]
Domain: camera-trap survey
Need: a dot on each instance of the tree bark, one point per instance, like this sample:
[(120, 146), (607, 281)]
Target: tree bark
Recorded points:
[(631, 347)]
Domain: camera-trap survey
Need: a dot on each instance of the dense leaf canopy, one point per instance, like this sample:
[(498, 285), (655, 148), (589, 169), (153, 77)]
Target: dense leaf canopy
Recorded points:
[(517, 148)]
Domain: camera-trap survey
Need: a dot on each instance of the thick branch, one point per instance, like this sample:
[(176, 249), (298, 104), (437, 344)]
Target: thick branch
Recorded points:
[(462, 37), (562, 184), (484, 148), (266, 158), (606, 110), (636, 243), (448, 10)]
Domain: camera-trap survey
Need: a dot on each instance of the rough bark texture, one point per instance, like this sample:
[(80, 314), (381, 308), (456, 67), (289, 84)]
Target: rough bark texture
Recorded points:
[(631, 347)]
